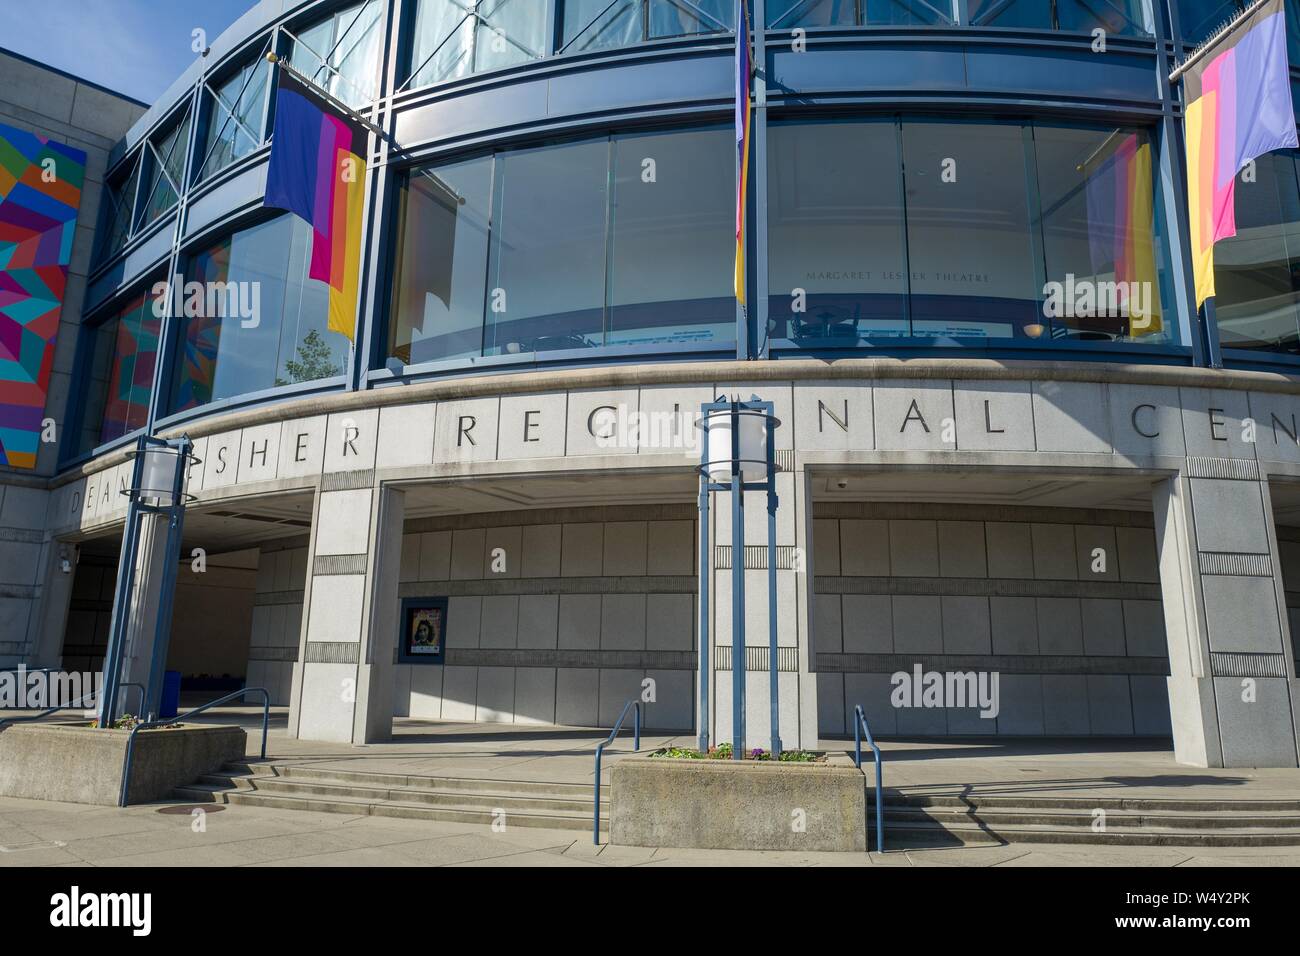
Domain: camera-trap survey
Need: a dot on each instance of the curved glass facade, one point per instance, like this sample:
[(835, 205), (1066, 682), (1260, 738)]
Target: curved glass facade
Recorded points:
[(564, 192)]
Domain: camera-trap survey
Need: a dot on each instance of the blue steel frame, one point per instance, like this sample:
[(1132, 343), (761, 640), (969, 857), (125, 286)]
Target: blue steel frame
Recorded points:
[(519, 107), (733, 410), (136, 512)]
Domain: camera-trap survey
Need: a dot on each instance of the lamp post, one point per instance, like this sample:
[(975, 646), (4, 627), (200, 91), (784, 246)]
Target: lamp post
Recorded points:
[(157, 489), (738, 456)]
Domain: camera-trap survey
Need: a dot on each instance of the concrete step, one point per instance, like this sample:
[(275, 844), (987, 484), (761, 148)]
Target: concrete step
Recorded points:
[(916, 835), (486, 797), (1053, 802), (361, 806), (366, 778), (1001, 816)]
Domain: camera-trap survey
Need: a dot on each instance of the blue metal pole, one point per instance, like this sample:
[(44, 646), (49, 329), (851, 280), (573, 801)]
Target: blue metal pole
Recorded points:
[(737, 591), (167, 590), (705, 570), (122, 593), (773, 676)]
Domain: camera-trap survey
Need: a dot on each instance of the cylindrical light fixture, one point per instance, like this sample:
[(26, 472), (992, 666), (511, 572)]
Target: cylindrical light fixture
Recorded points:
[(158, 476), (753, 445)]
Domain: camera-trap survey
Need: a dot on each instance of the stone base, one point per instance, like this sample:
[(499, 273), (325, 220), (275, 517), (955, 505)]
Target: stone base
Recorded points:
[(738, 805), (77, 764)]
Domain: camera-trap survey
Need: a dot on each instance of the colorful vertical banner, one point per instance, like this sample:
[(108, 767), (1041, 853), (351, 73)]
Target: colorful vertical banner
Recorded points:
[(1121, 226), (40, 193), (317, 172), (1238, 107), (744, 120)]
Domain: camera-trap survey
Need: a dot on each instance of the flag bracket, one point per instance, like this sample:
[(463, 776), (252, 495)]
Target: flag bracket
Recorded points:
[(333, 100), (1224, 28)]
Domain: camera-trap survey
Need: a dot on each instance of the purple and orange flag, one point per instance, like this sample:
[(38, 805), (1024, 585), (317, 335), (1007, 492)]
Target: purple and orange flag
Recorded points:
[(317, 171), (1238, 107), (744, 118)]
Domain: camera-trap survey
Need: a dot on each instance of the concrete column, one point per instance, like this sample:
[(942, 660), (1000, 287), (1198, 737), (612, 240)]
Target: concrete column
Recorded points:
[(1231, 673), (343, 680), (50, 614)]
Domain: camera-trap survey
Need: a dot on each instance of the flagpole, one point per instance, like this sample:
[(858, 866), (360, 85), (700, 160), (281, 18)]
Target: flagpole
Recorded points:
[(1214, 38), (325, 94)]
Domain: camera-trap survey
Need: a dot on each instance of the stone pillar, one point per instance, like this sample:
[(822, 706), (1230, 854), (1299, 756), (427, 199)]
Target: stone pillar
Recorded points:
[(1231, 672), (343, 680)]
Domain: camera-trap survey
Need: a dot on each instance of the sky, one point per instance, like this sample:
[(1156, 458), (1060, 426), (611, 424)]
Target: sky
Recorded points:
[(136, 47)]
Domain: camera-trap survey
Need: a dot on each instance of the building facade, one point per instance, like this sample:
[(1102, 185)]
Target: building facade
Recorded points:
[(1009, 443)]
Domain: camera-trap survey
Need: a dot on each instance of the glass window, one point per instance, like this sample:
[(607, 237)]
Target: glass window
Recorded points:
[(835, 231), (442, 251), (235, 116), (166, 164), (261, 322), (1098, 227), (992, 230), (546, 272), (972, 259), (117, 214), (672, 245), (1116, 17), (1257, 272), (341, 53), (454, 38), (601, 24), (120, 373), (624, 241), (787, 14)]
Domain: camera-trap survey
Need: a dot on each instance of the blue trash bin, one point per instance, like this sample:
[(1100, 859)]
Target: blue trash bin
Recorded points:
[(171, 694)]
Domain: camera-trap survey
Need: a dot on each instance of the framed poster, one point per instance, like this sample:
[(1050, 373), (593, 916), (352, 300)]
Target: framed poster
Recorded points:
[(423, 638)]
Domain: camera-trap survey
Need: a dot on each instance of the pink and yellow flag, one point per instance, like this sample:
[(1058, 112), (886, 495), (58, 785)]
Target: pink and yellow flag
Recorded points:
[(1238, 107), (317, 170)]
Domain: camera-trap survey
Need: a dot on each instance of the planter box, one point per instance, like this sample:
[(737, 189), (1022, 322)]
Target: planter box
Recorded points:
[(737, 805), (77, 764)]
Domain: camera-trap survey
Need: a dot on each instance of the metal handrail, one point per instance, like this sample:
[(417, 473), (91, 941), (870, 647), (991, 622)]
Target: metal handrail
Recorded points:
[(860, 727), (600, 748), (78, 705), (149, 725)]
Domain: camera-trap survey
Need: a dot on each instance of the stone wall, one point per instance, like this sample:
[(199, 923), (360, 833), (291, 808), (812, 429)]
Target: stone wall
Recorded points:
[(586, 605), (1078, 642), (277, 617), (91, 119)]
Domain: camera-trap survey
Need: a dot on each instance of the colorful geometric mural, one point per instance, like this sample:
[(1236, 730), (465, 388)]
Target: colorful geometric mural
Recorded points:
[(40, 193)]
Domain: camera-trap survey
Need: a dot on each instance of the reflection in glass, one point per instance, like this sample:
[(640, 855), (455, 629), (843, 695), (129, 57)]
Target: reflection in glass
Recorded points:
[(972, 258), (442, 250), (1257, 273), (835, 232), (607, 24), (546, 276), (787, 14), (672, 244), (975, 230), (235, 119), (1116, 17), (120, 371), (167, 168), (263, 321), (454, 38), (1098, 225), (341, 53)]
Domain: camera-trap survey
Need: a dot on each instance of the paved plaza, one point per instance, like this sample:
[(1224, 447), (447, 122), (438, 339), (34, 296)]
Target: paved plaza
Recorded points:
[(34, 833)]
